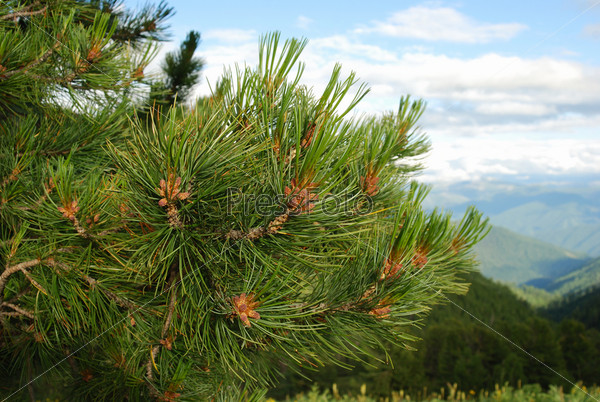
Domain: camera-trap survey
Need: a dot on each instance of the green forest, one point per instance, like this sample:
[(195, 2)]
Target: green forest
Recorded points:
[(477, 341)]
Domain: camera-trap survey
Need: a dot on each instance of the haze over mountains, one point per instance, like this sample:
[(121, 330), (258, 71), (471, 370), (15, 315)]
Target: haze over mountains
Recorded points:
[(510, 257), (565, 213), (545, 235)]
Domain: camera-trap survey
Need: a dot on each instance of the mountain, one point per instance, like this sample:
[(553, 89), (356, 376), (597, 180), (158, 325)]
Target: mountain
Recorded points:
[(577, 280), (558, 210), (536, 271), (511, 257), (581, 306), (572, 225)]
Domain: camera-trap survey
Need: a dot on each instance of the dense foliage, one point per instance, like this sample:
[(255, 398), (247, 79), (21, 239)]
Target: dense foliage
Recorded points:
[(469, 342), (527, 393), (193, 254), (583, 306)]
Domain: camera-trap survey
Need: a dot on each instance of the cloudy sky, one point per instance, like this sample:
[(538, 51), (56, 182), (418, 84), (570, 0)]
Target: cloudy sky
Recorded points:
[(512, 87)]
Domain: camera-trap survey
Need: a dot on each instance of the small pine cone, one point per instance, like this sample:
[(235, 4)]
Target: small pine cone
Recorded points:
[(277, 223), (173, 216), (234, 234), (256, 233)]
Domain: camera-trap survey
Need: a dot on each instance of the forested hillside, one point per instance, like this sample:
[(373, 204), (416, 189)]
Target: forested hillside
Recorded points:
[(582, 306), (465, 341), (564, 214), (510, 257), (536, 271), (578, 280)]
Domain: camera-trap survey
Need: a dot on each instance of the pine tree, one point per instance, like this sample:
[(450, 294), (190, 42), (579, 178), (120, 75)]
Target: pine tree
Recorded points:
[(181, 72), (189, 258), (182, 69), (68, 70)]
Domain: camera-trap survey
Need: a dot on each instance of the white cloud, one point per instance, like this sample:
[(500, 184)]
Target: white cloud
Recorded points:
[(515, 108), (476, 159), (485, 113), (434, 75), (592, 30), (340, 46), (303, 22), (468, 95), (441, 24), (230, 36)]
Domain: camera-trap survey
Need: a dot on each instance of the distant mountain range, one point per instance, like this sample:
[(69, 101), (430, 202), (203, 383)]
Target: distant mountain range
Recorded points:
[(546, 237), (578, 280), (574, 225), (510, 257), (566, 215), (542, 272)]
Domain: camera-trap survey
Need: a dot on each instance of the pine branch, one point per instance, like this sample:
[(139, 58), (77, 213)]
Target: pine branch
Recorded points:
[(80, 229), (171, 286), (32, 64), (309, 296), (20, 294), (50, 261), (10, 314), (94, 284), (260, 231), (25, 12), (301, 201), (12, 270), (40, 200), (34, 282), (19, 310), (173, 282), (112, 296)]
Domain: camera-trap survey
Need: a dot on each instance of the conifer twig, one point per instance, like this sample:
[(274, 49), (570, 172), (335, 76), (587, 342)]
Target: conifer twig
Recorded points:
[(34, 63), (19, 310), (167, 324), (93, 284), (25, 290), (25, 12), (112, 296), (260, 231), (23, 266), (13, 269)]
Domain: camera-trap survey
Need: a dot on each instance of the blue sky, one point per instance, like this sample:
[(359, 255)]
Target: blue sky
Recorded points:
[(512, 87)]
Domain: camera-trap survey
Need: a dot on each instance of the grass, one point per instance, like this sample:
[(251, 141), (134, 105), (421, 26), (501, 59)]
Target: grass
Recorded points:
[(452, 393)]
